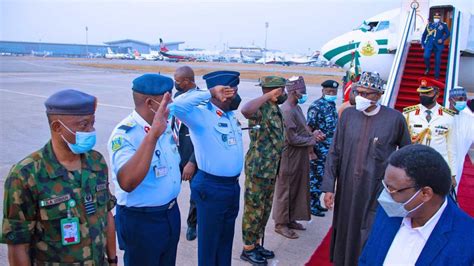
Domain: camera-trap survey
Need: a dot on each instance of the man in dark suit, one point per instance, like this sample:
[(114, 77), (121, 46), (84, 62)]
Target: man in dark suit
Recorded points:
[(417, 222), (184, 82)]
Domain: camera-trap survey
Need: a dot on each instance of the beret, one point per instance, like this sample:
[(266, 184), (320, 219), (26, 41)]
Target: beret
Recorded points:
[(330, 84), (225, 78), (152, 84), (70, 102)]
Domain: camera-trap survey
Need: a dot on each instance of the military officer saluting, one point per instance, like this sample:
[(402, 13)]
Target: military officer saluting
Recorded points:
[(261, 165), (431, 124), (432, 41), (217, 139), (57, 205), (322, 116), (145, 171)]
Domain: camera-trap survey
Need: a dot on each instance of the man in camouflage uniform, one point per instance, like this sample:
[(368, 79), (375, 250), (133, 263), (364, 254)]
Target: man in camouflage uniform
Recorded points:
[(322, 116), (261, 165), (57, 203)]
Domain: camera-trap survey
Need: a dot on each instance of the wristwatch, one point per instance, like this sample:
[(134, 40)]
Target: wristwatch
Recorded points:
[(114, 260)]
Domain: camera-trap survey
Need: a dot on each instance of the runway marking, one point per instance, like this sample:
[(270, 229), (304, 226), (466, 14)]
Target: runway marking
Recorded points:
[(45, 97), (48, 79)]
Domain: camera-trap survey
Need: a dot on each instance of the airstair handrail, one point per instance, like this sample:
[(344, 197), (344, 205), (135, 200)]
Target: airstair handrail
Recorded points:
[(396, 71), (452, 71)]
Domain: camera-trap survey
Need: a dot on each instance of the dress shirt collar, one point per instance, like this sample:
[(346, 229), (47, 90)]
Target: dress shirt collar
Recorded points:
[(427, 228), (139, 119)]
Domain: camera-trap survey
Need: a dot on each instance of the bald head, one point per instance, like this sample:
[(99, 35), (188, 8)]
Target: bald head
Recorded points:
[(184, 79), (184, 72)]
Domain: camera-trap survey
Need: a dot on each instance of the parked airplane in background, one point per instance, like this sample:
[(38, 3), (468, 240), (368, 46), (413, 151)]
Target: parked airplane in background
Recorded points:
[(288, 59), (185, 55), (152, 56), (376, 40), (111, 55)]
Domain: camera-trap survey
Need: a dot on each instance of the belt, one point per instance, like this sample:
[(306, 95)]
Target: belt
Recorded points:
[(167, 206), (221, 179)]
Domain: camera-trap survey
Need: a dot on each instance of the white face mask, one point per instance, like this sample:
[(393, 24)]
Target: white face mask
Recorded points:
[(436, 20), (362, 103)]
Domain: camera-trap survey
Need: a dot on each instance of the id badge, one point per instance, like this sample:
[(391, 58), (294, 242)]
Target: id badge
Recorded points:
[(161, 171), (70, 233), (232, 141)]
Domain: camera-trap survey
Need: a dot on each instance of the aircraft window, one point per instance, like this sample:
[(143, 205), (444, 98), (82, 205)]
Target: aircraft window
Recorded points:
[(383, 25)]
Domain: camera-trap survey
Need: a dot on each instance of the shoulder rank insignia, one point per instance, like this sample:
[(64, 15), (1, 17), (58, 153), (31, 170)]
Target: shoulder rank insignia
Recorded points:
[(117, 143), (410, 108), (126, 127), (446, 110)]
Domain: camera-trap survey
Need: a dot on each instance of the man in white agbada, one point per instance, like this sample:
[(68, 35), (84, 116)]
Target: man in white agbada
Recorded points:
[(464, 125)]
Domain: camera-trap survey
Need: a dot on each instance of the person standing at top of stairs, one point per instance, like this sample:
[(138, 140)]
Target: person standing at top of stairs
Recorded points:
[(432, 41)]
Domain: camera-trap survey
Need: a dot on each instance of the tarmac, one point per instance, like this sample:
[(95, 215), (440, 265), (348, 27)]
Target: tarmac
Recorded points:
[(26, 82)]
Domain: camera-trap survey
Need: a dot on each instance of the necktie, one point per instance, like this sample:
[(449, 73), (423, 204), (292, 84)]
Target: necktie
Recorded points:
[(175, 126), (428, 115)]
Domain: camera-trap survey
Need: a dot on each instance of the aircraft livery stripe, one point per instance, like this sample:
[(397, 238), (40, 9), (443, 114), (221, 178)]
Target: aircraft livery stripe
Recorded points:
[(348, 57), (341, 49)]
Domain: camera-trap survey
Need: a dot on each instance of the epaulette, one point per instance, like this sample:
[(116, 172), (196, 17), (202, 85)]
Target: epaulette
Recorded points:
[(126, 127), (448, 111), (411, 108)]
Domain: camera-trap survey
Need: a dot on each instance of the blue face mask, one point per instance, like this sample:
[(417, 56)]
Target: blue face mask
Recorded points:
[(460, 105), (393, 208), (330, 98), (303, 98), (85, 141)]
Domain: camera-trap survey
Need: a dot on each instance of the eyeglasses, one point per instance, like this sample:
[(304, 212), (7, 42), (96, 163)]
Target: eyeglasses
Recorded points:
[(396, 190), (363, 93)]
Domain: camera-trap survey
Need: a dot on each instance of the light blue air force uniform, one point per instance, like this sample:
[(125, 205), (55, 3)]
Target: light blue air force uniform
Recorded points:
[(163, 180), (218, 148), (216, 135)]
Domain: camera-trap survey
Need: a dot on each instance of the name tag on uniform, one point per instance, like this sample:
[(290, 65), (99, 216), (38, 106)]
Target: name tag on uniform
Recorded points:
[(231, 141), (160, 171), (70, 233)]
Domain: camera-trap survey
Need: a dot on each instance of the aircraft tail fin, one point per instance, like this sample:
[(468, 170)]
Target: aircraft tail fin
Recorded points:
[(163, 46), (109, 51)]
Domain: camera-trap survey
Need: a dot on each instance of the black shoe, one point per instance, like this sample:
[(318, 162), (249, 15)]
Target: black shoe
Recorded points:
[(427, 71), (318, 213), (191, 233), (267, 254), (254, 257), (321, 208)]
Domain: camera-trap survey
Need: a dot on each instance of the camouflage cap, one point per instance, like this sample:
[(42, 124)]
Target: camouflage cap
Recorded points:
[(271, 82)]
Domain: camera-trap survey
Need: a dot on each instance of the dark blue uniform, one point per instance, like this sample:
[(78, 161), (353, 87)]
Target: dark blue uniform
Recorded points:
[(322, 115), (430, 40)]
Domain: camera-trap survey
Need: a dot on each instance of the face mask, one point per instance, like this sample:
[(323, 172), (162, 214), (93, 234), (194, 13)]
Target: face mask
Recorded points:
[(330, 98), (85, 141), (234, 104), (171, 107), (177, 87), (460, 105), (303, 98), (426, 100), (362, 103), (393, 208), (282, 98), (436, 20)]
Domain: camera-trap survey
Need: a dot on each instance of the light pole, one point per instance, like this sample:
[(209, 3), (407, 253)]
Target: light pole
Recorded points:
[(265, 53), (87, 42)]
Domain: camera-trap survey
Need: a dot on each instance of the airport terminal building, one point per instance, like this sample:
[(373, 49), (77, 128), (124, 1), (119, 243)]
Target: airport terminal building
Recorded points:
[(78, 50)]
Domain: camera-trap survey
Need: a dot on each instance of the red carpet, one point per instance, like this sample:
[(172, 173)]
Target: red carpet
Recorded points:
[(466, 188), (320, 256), (414, 69)]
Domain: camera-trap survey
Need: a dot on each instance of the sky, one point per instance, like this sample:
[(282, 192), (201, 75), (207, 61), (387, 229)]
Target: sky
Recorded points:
[(294, 26)]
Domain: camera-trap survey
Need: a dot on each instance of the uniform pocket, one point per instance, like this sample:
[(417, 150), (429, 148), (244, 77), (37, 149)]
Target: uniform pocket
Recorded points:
[(51, 221)]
